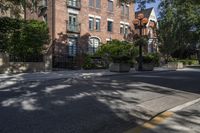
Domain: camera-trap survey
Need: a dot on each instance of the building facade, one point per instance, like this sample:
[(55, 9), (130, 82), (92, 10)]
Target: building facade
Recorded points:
[(79, 27)]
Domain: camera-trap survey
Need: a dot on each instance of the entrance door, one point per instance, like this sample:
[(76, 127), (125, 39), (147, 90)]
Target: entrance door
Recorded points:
[(72, 47)]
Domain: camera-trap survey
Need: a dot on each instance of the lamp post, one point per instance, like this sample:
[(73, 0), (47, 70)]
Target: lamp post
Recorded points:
[(140, 23), (198, 51)]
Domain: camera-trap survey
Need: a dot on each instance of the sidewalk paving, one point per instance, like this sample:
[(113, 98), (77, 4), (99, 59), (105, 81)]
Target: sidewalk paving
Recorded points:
[(43, 76), (186, 120)]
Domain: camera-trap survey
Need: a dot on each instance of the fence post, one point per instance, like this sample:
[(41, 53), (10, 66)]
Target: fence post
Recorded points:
[(48, 62), (4, 62)]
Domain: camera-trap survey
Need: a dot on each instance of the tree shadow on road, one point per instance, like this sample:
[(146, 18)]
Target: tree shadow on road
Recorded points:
[(67, 106), (104, 104)]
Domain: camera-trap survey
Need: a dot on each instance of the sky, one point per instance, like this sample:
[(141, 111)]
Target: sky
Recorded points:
[(155, 5)]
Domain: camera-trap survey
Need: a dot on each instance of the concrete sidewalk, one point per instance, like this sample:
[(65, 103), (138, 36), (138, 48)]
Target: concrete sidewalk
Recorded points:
[(43, 76)]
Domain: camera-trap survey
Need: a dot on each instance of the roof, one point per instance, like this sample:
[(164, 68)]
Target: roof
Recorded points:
[(146, 12)]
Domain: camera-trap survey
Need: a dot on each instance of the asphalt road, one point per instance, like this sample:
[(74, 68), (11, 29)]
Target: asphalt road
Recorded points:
[(108, 104)]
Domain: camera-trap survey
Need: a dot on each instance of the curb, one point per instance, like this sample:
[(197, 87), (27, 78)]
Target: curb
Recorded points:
[(93, 74), (138, 72), (180, 107), (160, 117)]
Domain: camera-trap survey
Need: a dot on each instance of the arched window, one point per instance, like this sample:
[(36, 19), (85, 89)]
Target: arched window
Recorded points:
[(94, 43)]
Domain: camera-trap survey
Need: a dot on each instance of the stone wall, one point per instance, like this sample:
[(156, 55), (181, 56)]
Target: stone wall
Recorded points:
[(19, 67)]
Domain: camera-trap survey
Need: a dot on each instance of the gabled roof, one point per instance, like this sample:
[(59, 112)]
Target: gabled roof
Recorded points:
[(146, 12)]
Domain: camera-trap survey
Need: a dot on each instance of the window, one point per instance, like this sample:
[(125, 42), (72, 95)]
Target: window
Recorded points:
[(91, 23), (73, 23), (98, 24), (91, 3), (122, 9), (94, 43), (126, 29), (45, 18), (127, 11), (98, 4), (73, 3), (45, 2), (110, 26), (110, 6), (72, 48), (121, 29)]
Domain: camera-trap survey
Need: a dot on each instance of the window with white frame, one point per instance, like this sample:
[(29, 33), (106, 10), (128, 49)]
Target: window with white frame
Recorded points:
[(94, 43), (98, 4), (126, 29), (121, 28), (91, 3), (122, 9), (110, 26), (127, 11), (98, 24), (91, 23), (110, 5)]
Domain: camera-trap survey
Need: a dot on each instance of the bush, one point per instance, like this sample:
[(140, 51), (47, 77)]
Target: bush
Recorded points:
[(93, 62), (152, 58), (88, 64), (117, 52), (21, 38), (189, 62)]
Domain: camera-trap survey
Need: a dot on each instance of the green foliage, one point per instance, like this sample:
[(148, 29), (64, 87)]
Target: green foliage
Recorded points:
[(189, 62), (17, 6), (151, 58), (179, 25), (117, 51), (93, 62), (88, 63), (20, 38), (141, 41), (170, 59)]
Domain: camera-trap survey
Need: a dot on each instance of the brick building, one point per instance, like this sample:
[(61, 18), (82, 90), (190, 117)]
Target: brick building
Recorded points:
[(81, 26)]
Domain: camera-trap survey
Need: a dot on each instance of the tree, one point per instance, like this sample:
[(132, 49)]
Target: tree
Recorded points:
[(179, 25), (22, 38), (18, 6), (141, 3)]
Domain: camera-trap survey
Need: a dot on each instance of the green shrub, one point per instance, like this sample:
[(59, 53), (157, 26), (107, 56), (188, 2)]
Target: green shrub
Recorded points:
[(117, 51), (93, 62), (170, 59), (189, 62), (152, 58), (88, 64), (21, 38)]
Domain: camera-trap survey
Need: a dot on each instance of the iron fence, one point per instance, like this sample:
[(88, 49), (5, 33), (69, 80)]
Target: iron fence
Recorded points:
[(26, 58)]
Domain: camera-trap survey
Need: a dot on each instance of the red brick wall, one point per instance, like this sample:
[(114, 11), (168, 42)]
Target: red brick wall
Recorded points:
[(61, 17), (116, 16)]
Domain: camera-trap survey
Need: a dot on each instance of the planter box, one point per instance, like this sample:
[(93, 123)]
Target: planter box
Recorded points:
[(175, 65), (119, 67), (145, 67)]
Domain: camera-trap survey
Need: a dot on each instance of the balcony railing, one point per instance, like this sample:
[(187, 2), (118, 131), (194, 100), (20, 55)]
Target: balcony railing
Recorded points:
[(74, 4), (73, 27)]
